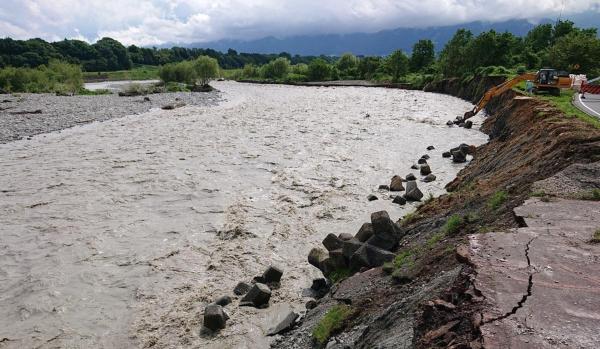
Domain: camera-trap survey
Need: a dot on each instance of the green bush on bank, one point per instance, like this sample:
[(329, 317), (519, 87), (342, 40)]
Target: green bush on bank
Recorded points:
[(197, 72), (59, 77)]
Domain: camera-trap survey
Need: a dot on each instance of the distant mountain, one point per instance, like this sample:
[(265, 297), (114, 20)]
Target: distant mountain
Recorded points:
[(380, 43)]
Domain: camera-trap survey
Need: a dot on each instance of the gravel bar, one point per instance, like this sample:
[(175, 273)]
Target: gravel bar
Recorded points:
[(24, 115)]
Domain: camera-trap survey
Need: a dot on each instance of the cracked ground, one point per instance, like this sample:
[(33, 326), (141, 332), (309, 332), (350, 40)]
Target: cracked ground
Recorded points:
[(541, 282)]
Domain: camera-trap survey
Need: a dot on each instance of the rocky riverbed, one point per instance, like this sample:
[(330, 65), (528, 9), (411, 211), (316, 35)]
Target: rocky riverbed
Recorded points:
[(26, 114), (119, 233)]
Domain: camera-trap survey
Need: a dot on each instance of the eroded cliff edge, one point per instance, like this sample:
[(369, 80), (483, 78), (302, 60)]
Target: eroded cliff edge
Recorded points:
[(427, 298)]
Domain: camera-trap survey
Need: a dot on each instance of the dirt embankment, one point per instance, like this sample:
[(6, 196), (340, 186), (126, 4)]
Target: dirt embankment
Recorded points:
[(427, 299)]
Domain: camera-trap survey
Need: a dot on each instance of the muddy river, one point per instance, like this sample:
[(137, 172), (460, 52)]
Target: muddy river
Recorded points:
[(117, 234)]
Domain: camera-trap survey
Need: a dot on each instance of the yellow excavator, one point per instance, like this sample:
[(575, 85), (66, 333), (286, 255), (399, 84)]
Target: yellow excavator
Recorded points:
[(549, 80)]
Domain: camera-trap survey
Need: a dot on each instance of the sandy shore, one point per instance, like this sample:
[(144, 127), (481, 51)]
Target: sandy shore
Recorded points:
[(25, 115)]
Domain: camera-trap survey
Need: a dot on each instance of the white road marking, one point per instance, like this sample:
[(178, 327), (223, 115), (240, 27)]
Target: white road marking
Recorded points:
[(588, 108)]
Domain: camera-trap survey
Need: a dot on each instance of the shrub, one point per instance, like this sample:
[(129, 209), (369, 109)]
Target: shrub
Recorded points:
[(319, 70), (339, 275), (250, 71), (206, 69), (58, 77), (276, 69), (596, 237), (331, 322), (453, 224), (497, 199), (435, 238)]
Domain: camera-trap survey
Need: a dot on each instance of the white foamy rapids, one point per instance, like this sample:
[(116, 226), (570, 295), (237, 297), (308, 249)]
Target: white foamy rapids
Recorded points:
[(117, 234)]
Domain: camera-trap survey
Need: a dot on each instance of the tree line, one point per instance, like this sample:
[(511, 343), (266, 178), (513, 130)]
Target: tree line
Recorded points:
[(110, 55)]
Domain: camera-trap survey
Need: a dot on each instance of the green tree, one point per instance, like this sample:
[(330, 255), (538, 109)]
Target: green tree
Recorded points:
[(423, 55), (112, 54), (454, 57), (206, 69), (319, 70), (347, 65), (276, 69), (250, 71), (396, 65), (368, 66), (540, 37), (576, 52)]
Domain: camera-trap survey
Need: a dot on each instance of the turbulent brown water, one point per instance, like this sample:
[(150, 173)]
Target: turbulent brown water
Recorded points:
[(116, 234)]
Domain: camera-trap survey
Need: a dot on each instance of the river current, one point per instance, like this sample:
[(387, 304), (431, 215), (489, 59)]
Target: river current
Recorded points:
[(117, 234)]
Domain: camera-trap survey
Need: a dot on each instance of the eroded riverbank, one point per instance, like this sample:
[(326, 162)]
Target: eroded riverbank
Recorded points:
[(118, 233)]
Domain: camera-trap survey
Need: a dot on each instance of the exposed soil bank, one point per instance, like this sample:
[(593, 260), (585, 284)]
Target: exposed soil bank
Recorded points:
[(529, 141)]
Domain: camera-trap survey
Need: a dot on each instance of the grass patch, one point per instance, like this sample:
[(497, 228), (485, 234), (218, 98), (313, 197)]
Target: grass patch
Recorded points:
[(144, 72), (339, 275), (593, 195), (409, 218), (331, 322), (452, 224), (596, 237), (497, 199), (564, 104), (435, 238), (538, 194), (87, 92)]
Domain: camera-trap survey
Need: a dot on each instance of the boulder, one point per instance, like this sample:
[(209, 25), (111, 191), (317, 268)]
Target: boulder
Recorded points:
[(311, 304), (396, 184), (365, 232), (372, 197), (426, 157), (241, 288), (462, 124), (410, 177), (386, 242), (223, 300), (370, 256), (172, 106), (258, 296), (421, 161), (450, 123), (284, 325), (345, 236), (316, 256), (214, 317), (469, 124), (429, 178), (384, 187), (332, 242), (146, 99), (336, 259), (272, 274), (412, 192), (414, 167), (399, 200), (458, 156), (350, 246), (431, 147), (446, 154), (319, 284), (382, 224), (425, 170)]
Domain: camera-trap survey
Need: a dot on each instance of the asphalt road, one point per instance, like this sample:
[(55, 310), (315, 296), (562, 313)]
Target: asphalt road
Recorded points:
[(589, 105)]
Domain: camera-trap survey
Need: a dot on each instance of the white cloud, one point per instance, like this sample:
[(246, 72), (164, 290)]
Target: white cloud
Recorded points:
[(183, 21)]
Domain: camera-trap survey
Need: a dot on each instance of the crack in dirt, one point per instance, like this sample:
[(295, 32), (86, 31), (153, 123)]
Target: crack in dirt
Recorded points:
[(529, 288)]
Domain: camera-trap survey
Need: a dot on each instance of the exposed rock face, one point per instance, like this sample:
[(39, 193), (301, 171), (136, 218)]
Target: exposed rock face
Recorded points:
[(258, 296), (399, 200), (396, 184), (332, 242), (365, 232), (429, 178), (214, 317), (272, 274), (317, 256), (413, 193), (458, 156), (284, 325), (223, 300), (242, 288), (370, 256)]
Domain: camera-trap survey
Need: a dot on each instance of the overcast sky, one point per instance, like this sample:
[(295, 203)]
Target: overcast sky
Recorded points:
[(183, 21)]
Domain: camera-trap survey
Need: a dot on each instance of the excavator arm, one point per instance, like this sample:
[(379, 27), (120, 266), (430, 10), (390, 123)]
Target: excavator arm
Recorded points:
[(497, 90)]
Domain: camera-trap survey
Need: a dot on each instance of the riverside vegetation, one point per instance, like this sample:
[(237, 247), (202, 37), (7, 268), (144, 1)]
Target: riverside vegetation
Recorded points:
[(561, 46)]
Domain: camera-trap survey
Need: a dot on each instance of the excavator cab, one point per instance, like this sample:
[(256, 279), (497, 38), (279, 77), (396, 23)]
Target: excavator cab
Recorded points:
[(551, 81)]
